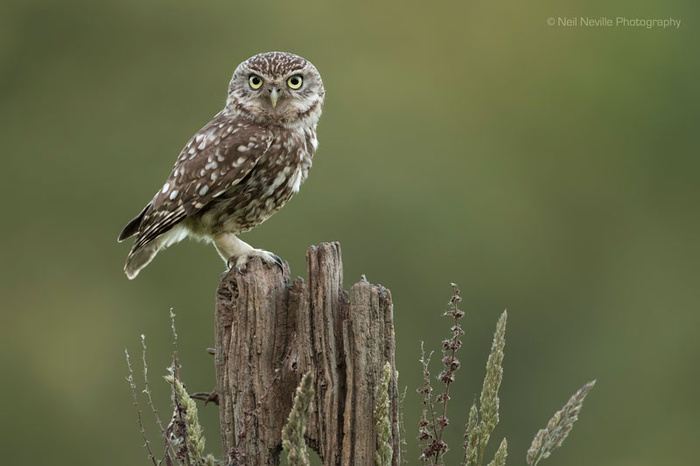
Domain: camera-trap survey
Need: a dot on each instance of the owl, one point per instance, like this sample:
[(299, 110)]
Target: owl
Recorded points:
[(240, 168)]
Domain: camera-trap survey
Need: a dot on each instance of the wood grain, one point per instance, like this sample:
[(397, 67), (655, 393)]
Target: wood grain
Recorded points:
[(269, 332)]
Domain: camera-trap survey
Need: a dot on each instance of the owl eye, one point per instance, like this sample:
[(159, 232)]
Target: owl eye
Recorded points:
[(294, 82), (255, 81)]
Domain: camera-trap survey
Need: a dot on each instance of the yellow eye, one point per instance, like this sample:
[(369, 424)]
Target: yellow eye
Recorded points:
[(255, 81), (294, 82)]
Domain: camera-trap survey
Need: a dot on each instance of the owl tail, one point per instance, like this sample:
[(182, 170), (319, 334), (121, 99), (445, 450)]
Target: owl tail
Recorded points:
[(132, 227), (140, 258)]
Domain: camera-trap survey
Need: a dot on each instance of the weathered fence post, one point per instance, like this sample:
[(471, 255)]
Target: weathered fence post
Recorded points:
[(269, 332)]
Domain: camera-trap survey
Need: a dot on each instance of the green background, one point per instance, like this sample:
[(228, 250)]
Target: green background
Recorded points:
[(551, 171)]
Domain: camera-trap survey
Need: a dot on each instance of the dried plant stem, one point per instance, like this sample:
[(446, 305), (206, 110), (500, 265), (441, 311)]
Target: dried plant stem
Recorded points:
[(431, 431), (176, 362), (132, 383), (402, 428), (148, 388), (183, 437), (427, 431), (450, 362)]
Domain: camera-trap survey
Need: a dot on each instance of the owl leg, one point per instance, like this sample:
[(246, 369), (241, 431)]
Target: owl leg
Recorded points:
[(233, 250)]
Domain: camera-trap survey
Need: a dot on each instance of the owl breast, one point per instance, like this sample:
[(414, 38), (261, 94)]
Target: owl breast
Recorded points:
[(267, 188)]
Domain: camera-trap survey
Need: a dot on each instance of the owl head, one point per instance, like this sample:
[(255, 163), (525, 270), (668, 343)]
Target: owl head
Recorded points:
[(277, 88)]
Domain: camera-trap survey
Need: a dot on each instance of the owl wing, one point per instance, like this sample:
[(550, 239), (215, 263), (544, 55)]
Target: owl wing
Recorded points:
[(217, 157)]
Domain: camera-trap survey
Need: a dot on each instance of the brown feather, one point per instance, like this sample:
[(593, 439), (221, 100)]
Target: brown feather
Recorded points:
[(214, 151)]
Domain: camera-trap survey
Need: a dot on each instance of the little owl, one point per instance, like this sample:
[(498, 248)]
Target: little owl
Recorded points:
[(241, 168)]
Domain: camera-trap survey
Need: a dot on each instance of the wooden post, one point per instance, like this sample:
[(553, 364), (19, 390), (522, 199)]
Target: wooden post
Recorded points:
[(270, 332)]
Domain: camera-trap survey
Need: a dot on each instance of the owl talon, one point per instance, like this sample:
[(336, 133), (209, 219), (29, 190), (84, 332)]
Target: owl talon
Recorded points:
[(268, 258), (235, 262), (278, 261), (230, 262)]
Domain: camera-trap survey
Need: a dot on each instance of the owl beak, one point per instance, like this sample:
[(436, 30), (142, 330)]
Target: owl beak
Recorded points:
[(274, 96)]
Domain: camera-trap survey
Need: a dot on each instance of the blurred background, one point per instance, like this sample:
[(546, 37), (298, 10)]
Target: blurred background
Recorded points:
[(549, 170)]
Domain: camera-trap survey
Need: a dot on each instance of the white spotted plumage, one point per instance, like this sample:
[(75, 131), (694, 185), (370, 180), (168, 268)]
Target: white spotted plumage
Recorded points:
[(240, 168)]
